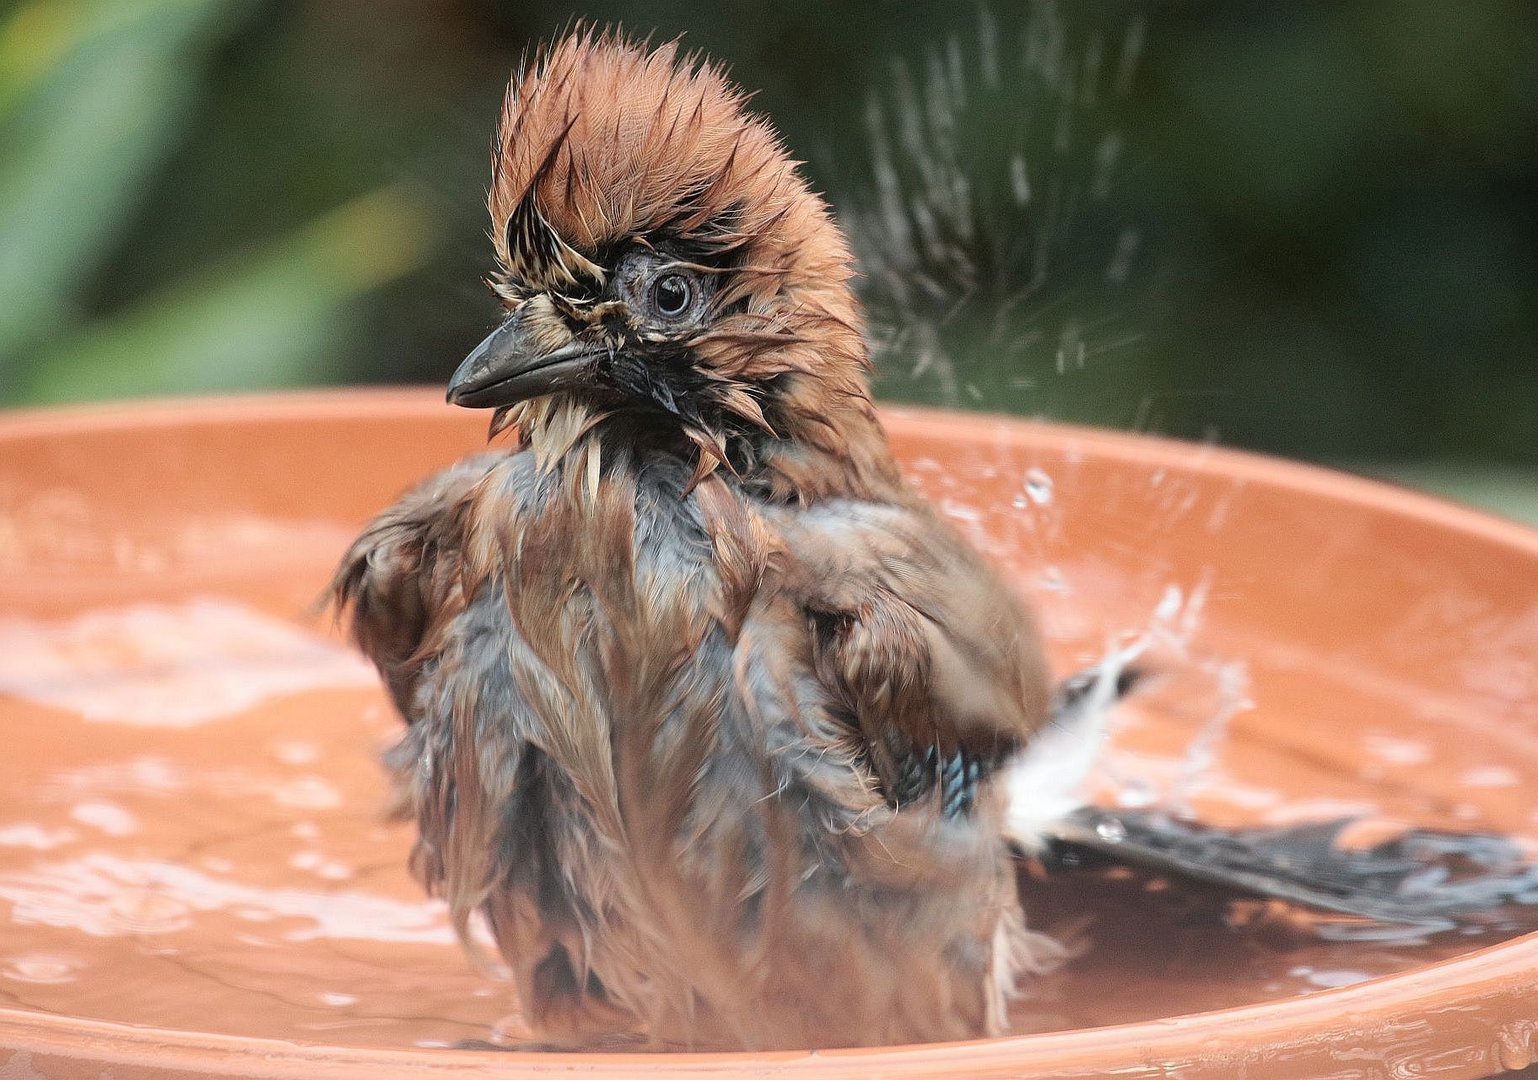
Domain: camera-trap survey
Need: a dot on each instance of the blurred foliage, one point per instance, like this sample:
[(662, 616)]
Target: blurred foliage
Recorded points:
[(94, 96), (1310, 228)]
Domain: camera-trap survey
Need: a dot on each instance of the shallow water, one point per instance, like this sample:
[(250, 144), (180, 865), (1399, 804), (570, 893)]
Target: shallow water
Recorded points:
[(204, 849), (191, 828)]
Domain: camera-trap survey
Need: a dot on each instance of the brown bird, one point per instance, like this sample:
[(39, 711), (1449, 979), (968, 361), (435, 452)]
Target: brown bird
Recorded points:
[(705, 704), (708, 713)]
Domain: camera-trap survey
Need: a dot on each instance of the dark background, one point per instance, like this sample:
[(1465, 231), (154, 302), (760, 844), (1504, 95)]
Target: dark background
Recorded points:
[(1308, 228)]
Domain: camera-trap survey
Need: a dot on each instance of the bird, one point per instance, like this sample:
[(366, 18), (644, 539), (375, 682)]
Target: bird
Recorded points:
[(705, 704), (726, 737)]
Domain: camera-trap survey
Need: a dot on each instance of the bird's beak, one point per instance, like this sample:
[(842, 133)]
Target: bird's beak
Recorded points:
[(509, 367)]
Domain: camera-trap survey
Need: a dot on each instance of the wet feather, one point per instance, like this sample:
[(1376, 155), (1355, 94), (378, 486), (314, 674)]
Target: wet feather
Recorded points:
[(705, 706)]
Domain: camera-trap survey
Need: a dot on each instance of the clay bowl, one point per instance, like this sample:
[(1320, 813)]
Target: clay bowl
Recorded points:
[(196, 878)]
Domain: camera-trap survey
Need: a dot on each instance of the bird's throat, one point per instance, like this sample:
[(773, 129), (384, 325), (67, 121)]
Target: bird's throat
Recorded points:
[(559, 430)]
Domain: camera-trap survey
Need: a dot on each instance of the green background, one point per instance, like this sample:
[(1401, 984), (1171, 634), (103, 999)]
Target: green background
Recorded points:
[(1310, 229)]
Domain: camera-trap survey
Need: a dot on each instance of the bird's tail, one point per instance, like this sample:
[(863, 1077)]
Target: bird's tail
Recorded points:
[(1418, 882)]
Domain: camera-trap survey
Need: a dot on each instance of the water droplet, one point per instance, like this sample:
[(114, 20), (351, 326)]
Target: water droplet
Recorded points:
[(1053, 581), (1136, 793), (1019, 180), (1106, 156), (1169, 604), (1038, 487), (1512, 1052), (1120, 266), (1111, 830)]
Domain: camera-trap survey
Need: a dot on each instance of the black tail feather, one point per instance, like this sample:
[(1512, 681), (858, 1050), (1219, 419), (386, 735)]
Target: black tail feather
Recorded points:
[(1420, 882)]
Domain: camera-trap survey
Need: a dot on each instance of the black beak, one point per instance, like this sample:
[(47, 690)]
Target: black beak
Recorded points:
[(508, 368)]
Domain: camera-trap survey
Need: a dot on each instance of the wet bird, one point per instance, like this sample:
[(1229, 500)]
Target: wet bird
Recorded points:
[(705, 704), (709, 716)]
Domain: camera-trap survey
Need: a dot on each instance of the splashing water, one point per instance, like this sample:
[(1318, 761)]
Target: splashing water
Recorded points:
[(995, 249), (1055, 775)]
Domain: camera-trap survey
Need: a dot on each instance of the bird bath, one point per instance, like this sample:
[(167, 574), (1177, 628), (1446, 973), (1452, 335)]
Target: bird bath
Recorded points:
[(195, 877)]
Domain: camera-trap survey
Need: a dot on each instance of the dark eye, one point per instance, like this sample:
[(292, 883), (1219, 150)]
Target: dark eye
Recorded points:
[(671, 294)]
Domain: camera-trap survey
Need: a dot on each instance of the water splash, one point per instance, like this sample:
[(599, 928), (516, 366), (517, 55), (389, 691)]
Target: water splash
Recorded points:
[(993, 244), (1052, 777), (1038, 486), (1232, 679)]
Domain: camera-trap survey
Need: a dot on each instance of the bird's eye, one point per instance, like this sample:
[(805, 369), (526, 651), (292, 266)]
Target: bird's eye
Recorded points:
[(671, 294)]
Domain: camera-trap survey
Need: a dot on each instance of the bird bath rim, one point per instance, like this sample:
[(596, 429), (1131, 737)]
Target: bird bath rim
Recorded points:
[(1480, 1002)]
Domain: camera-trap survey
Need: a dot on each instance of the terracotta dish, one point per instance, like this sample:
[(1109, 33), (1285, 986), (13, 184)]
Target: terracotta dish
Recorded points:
[(196, 877)]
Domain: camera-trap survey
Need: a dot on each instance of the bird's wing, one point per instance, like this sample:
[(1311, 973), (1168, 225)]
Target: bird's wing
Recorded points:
[(935, 660), (486, 768), (404, 572)]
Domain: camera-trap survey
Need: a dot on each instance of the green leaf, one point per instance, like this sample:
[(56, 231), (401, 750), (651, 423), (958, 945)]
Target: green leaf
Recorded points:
[(270, 318), (92, 95)]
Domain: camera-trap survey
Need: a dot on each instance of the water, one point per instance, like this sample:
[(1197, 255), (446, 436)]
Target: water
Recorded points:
[(237, 877), (218, 870), (997, 248), (1285, 688), (228, 869), (191, 834)]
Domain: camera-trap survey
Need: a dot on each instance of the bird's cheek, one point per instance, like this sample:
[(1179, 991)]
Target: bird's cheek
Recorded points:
[(544, 328)]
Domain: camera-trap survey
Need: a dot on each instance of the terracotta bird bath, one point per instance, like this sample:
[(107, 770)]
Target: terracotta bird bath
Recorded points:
[(196, 879)]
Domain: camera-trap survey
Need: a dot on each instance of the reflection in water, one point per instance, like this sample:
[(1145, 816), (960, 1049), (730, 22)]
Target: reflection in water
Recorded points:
[(24, 834), (167, 666), (106, 895), (106, 817), (40, 969)]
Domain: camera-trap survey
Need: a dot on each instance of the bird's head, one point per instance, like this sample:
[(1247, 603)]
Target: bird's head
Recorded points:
[(662, 261)]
